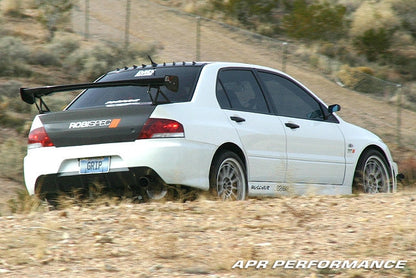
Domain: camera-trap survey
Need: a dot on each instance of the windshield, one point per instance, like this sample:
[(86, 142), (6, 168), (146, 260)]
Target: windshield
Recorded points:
[(139, 95)]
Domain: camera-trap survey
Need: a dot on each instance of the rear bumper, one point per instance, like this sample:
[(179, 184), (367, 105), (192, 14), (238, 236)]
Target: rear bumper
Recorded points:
[(175, 161)]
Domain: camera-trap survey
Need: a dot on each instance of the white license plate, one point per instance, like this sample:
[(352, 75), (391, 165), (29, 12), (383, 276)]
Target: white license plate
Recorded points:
[(94, 165)]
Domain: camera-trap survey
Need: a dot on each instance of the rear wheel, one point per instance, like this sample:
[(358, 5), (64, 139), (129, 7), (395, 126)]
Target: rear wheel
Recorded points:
[(228, 177), (373, 173)]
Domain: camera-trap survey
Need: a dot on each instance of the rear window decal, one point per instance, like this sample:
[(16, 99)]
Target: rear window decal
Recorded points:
[(122, 102), (148, 72)]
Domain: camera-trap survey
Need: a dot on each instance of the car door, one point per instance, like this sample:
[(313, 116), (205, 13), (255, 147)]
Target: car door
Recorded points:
[(261, 133), (315, 144)]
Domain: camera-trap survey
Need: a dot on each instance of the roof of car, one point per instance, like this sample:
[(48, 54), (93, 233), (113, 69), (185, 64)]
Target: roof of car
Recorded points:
[(173, 64), (193, 63)]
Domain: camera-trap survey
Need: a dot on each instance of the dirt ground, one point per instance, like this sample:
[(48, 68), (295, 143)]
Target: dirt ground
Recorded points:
[(206, 238)]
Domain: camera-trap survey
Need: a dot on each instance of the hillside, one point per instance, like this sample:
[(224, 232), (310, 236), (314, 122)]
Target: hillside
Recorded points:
[(174, 34), (205, 238)]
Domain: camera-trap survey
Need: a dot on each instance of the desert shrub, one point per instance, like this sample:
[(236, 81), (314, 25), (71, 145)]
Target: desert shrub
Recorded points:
[(348, 76), (9, 120), (12, 7), (268, 29), (403, 41), (63, 44), (409, 91), (407, 99), (93, 68), (89, 64), (81, 63), (13, 57), (341, 52), (410, 67), (361, 79), (10, 89), (44, 58), (315, 21), (11, 107), (24, 203), (373, 15), (374, 44), (53, 53), (406, 10), (329, 49), (354, 77), (248, 12), (372, 29), (10, 98), (406, 65), (54, 14), (366, 70)]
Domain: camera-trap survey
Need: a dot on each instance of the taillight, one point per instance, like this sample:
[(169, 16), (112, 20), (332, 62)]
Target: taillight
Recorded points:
[(39, 138), (161, 128)]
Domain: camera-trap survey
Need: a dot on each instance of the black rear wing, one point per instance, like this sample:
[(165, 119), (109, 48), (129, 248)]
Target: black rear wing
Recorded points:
[(29, 95)]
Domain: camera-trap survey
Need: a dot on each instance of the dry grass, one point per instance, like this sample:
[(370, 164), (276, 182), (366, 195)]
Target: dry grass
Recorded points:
[(199, 238), (12, 151), (374, 15)]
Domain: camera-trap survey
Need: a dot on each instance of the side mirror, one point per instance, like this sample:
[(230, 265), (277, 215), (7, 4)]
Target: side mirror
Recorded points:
[(334, 108)]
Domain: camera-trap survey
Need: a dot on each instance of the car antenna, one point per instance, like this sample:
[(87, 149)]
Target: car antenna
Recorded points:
[(151, 61)]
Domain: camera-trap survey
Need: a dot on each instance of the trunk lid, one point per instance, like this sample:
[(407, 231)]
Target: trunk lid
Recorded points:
[(96, 125)]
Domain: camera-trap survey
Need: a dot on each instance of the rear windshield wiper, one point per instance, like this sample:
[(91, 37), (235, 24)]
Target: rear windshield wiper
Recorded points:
[(30, 95)]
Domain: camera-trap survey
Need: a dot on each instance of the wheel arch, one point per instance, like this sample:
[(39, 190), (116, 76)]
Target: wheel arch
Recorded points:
[(385, 156), (233, 148), (373, 147)]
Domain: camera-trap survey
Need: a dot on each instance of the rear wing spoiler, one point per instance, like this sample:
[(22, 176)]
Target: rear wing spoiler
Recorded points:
[(30, 95)]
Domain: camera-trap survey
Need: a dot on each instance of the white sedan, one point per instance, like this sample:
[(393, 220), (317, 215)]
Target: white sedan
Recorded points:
[(238, 130)]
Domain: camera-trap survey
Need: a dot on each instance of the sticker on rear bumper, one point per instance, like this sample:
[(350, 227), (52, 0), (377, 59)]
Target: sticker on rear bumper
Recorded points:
[(94, 165)]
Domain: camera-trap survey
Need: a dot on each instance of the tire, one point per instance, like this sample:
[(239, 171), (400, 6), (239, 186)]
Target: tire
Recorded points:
[(228, 179), (372, 174)]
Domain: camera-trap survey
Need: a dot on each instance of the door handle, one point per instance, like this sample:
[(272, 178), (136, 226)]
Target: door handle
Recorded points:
[(292, 125), (237, 119)]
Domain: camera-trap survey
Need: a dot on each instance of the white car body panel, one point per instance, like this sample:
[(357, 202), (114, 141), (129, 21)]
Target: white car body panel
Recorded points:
[(176, 152), (264, 139), (314, 150)]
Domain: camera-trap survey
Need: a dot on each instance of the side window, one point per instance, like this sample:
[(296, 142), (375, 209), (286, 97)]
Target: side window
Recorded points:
[(291, 100), (239, 90), (222, 97)]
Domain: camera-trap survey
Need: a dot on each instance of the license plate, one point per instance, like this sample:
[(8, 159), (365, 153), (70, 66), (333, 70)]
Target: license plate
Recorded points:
[(94, 165)]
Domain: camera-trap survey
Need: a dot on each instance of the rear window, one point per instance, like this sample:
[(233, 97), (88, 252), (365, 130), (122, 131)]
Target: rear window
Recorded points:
[(139, 95)]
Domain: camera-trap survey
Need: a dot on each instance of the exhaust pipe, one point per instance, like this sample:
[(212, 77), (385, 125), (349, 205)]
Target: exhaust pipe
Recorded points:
[(154, 191), (144, 181)]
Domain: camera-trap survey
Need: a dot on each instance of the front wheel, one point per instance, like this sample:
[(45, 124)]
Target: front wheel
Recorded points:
[(373, 173), (228, 177)]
